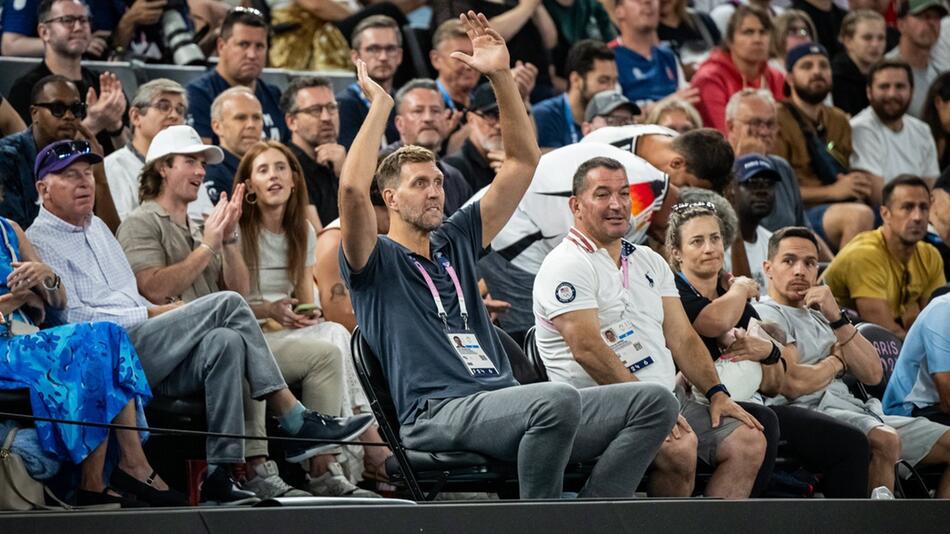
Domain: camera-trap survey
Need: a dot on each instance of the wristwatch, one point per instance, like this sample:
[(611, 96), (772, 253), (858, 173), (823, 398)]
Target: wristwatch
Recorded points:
[(52, 284), (843, 320), (718, 388)]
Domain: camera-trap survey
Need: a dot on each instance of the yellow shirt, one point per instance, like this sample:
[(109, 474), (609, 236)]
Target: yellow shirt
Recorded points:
[(865, 269)]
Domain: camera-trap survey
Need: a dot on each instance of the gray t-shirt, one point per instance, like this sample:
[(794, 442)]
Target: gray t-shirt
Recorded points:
[(788, 210), (398, 318)]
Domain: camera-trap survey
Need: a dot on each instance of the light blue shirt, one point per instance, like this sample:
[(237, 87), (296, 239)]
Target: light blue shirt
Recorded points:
[(926, 351), (100, 285)]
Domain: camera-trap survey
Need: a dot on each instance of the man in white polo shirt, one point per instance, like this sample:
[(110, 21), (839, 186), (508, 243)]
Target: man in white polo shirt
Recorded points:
[(608, 311)]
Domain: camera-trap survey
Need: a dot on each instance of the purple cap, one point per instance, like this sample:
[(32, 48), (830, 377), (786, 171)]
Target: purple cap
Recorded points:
[(62, 154)]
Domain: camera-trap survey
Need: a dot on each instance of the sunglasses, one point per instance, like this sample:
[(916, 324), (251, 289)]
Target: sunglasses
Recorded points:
[(241, 10), (686, 206), (59, 109), (66, 149)]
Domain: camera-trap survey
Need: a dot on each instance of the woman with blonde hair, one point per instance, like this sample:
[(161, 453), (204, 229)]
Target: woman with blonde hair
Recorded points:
[(278, 245), (864, 38), (792, 28)]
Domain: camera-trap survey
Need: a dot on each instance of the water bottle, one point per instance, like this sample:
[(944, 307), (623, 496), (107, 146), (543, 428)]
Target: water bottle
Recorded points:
[(881, 492)]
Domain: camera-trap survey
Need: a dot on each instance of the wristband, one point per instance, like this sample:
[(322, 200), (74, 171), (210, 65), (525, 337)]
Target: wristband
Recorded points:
[(774, 356), (718, 388), (209, 247), (843, 320), (231, 241)]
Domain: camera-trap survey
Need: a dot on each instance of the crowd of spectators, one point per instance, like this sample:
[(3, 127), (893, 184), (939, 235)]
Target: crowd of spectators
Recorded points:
[(692, 204)]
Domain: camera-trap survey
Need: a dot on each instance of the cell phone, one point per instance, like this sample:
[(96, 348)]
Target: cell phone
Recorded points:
[(305, 309)]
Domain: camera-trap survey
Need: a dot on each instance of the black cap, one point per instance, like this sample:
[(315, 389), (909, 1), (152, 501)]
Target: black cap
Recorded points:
[(483, 101)]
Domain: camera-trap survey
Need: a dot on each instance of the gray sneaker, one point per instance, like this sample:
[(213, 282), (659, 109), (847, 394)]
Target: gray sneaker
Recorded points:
[(268, 484), (334, 483)]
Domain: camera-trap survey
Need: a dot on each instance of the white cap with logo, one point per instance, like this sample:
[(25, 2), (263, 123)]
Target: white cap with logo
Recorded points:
[(182, 139)]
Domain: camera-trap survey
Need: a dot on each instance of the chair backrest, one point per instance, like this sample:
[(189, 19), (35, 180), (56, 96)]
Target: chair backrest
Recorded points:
[(521, 366), (888, 347), (370, 372), (531, 350)]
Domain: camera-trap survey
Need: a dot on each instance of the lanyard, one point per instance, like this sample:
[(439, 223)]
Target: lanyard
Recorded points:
[(624, 269), (359, 92), (449, 103), (435, 292), (569, 118)]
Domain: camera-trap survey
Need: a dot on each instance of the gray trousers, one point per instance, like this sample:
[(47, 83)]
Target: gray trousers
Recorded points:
[(212, 343), (544, 426)]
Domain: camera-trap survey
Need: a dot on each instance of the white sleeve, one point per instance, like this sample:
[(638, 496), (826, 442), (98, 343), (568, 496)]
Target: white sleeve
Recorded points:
[(931, 164), (869, 152), (311, 247), (121, 187), (565, 283)]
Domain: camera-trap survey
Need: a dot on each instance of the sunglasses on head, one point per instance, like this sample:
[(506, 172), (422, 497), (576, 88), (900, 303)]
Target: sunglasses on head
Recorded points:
[(66, 149), (684, 206), (59, 109), (241, 10)]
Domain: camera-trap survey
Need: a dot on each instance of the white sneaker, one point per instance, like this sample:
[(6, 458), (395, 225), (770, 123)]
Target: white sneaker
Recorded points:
[(268, 484), (334, 483)]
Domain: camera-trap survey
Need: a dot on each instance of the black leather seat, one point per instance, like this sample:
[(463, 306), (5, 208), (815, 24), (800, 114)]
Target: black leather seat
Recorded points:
[(531, 351)]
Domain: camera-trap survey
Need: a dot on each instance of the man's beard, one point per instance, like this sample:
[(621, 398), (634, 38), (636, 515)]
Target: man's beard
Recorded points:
[(419, 220), (812, 97), (889, 116)]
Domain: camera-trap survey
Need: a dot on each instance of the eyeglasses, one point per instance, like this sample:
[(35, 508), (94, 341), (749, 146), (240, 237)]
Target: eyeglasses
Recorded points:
[(318, 109), (164, 106), (375, 50), (70, 20), (760, 124), (687, 206), (798, 31), (618, 120), (59, 109), (66, 149), (491, 117)]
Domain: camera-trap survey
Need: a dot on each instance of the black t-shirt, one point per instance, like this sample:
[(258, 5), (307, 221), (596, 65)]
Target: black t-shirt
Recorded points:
[(849, 88), (827, 23), (322, 185), (473, 166), (694, 303)]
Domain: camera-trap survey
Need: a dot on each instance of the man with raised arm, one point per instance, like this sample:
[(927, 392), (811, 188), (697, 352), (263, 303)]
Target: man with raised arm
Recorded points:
[(415, 290)]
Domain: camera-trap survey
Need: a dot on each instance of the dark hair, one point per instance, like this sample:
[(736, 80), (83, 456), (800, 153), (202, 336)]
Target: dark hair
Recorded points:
[(375, 21), (288, 100), (708, 155), (940, 88), (581, 56), (908, 180), (789, 232), (294, 222), (47, 80), (885, 64), (46, 6), (579, 184), (412, 85), (150, 179), (241, 15), (741, 12)]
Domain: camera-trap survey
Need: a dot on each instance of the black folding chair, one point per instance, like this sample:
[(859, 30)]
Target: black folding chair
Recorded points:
[(413, 469), (531, 351)]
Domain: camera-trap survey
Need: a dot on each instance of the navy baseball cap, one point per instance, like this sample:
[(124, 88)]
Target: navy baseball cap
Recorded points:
[(483, 100), (752, 165), (800, 51), (61, 154)]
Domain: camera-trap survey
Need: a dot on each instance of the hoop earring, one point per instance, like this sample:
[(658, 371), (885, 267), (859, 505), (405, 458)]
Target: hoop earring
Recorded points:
[(250, 199)]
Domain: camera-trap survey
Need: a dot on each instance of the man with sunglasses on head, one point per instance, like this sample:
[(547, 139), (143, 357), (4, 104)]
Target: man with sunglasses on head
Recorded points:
[(157, 105), (242, 55), (57, 112), (66, 33)]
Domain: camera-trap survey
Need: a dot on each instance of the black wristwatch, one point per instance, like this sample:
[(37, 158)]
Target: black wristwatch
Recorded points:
[(718, 388), (843, 320), (774, 356)]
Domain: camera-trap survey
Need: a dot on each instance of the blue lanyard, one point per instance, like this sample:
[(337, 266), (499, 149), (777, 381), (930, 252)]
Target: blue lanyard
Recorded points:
[(449, 103), (569, 118), (359, 92)]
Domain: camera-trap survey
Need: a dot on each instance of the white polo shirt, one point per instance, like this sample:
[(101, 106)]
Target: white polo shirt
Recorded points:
[(578, 276)]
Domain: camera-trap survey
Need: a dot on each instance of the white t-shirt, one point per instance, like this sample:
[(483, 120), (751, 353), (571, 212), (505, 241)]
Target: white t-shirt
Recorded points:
[(626, 137), (888, 154), (576, 276), (543, 216), (756, 253), (273, 274), (123, 171)]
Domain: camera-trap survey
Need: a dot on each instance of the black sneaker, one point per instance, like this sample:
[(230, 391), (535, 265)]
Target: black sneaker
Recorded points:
[(319, 426), (220, 488)]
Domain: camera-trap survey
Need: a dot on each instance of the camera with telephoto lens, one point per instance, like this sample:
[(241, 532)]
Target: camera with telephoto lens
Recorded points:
[(178, 37)]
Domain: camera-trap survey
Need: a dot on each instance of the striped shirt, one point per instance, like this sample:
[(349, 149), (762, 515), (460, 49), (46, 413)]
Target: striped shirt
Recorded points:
[(100, 285)]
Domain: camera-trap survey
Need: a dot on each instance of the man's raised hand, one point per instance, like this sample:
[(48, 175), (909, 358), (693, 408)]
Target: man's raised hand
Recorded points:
[(489, 52), (371, 89)]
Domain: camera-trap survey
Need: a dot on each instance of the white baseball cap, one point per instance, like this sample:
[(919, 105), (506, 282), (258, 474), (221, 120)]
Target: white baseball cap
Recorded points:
[(182, 139)]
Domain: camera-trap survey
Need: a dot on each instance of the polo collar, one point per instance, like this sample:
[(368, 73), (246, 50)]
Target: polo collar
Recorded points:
[(587, 244)]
